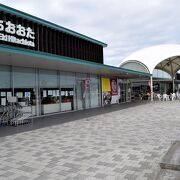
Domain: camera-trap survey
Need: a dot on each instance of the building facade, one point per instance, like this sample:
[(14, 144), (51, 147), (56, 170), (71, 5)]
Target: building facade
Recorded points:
[(51, 69)]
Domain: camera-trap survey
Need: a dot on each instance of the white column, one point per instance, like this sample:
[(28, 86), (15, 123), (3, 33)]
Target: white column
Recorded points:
[(151, 84)]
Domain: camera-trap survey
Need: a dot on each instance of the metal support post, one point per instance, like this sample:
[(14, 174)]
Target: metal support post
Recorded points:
[(151, 86)]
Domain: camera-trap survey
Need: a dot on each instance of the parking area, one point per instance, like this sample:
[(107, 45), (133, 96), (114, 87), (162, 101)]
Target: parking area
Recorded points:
[(118, 145)]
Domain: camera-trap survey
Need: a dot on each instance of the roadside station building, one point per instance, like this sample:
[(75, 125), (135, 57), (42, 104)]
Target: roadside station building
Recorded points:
[(51, 69)]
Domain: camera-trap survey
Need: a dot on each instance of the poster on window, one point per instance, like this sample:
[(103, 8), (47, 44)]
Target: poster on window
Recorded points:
[(114, 89), (106, 91)]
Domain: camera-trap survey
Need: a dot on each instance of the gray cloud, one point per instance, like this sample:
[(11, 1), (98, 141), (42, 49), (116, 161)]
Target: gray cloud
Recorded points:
[(125, 25)]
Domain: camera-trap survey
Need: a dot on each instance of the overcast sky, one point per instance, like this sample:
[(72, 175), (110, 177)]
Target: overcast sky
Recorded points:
[(125, 25)]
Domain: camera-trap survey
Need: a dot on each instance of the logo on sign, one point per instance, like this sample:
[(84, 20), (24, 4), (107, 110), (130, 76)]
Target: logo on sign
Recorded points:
[(9, 31)]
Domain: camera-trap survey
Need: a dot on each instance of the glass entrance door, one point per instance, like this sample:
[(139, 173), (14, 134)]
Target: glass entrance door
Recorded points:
[(83, 95)]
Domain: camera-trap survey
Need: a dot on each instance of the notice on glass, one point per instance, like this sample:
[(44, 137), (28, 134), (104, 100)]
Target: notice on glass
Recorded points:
[(54, 93), (19, 94), (44, 93), (62, 93), (28, 94), (50, 92), (9, 94), (3, 93), (3, 101)]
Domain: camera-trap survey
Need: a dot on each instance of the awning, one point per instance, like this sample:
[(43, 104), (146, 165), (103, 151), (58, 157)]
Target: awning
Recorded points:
[(29, 58)]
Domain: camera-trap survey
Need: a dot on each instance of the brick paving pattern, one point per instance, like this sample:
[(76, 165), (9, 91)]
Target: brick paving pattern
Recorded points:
[(122, 145)]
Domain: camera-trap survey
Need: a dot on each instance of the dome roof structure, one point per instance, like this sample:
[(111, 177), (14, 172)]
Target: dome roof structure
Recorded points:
[(163, 57)]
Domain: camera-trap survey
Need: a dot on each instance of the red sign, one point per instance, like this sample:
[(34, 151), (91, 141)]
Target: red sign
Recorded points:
[(114, 88)]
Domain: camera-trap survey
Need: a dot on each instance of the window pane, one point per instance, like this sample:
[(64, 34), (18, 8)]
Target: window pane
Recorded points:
[(5, 79), (24, 77), (48, 78), (67, 79), (5, 76)]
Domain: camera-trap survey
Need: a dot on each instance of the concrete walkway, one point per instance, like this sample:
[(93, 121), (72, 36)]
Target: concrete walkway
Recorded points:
[(45, 121), (118, 145)]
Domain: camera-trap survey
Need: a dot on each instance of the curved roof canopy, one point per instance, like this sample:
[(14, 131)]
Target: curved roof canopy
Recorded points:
[(163, 57)]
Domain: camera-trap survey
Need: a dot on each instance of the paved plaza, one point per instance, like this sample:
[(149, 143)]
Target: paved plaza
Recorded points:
[(125, 144)]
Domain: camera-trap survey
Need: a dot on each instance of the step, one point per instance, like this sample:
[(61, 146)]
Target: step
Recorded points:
[(171, 160)]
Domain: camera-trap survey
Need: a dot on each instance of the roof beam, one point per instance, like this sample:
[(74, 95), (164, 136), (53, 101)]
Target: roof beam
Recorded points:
[(172, 73)]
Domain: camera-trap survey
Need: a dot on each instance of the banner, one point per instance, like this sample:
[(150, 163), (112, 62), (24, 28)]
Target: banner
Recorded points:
[(105, 84)]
